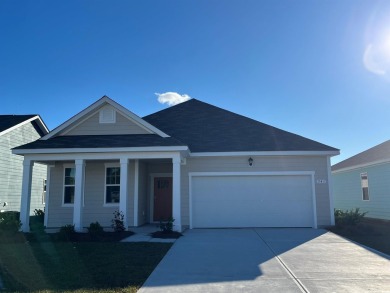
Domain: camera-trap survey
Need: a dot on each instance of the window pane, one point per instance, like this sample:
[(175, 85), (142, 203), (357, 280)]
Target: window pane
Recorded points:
[(365, 193), (113, 175), (69, 176), (112, 194), (69, 194)]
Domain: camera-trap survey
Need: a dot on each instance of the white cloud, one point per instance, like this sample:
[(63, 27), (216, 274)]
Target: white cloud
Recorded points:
[(376, 59), (172, 98)]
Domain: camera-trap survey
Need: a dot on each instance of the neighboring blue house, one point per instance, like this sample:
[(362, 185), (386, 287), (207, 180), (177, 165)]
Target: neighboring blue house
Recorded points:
[(363, 181), (16, 130)]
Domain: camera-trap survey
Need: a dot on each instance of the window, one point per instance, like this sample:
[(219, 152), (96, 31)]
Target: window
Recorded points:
[(112, 190), (364, 182), (69, 180)]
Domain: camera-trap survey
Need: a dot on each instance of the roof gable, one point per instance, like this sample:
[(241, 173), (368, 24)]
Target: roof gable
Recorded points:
[(206, 128), (10, 122), (377, 154), (75, 124)]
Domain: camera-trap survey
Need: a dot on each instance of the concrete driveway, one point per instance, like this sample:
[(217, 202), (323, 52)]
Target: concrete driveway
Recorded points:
[(268, 260)]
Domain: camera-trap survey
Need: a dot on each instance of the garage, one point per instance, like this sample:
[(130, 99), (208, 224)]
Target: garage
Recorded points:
[(232, 200)]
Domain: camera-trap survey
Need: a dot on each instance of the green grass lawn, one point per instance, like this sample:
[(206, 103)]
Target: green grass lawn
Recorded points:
[(78, 266)]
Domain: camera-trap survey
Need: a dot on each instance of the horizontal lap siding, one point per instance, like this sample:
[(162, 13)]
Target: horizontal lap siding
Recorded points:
[(348, 192), (11, 170), (91, 126), (261, 164), (93, 209)]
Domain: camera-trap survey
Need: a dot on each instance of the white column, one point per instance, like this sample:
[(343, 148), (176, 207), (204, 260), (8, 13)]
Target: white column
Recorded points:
[(136, 179), (176, 197), (78, 195), (26, 195), (47, 195), (124, 189)]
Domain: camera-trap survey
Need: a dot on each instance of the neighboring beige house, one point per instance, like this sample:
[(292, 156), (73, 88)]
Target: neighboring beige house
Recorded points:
[(16, 130), (204, 166)]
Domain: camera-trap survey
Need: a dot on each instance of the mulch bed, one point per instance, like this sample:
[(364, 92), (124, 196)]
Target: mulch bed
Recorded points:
[(166, 235)]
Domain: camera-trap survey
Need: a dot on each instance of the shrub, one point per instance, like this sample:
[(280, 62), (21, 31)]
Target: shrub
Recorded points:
[(66, 232), (348, 217), (10, 221), (118, 222), (37, 221), (167, 226), (95, 230)]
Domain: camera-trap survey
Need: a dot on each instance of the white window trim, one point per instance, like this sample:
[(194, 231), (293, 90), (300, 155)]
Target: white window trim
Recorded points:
[(65, 166), (44, 184), (109, 165), (361, 186)]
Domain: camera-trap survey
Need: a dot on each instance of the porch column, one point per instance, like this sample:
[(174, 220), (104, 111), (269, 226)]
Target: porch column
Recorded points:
[(47, 195), (78, 195), (26, 195), (124, 189), (176, 205), (136, 178)]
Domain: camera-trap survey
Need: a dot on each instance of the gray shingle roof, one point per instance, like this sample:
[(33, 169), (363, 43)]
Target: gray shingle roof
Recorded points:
[(206, 128), (200, 126), (380, 152), (102, 141), (8, 121)]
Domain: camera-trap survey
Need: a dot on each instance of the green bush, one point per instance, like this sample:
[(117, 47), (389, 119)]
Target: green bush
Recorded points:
[(167, 226), (66, 232), (37, 221), (10, 221), (95, 230), (348, 217), (118, 222)]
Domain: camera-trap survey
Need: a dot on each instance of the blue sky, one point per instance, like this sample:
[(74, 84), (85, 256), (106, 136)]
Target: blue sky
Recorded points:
[(320, 69)]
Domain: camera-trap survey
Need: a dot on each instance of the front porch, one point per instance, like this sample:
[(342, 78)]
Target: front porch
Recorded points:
[(85, 188)]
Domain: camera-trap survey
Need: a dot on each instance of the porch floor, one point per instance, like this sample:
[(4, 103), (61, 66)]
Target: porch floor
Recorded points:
[(142, 234)]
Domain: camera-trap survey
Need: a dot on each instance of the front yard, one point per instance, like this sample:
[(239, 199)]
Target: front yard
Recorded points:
[(370, 232), (77, 266)]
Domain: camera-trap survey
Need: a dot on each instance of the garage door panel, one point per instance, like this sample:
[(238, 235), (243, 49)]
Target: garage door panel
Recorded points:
[(252, 201)]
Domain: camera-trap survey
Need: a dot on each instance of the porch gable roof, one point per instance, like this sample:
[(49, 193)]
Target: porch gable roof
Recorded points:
[(102, 141)]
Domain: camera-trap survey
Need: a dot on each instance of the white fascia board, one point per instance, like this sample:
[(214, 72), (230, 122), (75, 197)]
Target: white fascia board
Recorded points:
[(95, 106), (264, 153), (41, 125), (370, 164), (99, 150), (103, 156)]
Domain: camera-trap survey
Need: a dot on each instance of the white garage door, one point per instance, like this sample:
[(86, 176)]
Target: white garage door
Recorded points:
[(251, 201)]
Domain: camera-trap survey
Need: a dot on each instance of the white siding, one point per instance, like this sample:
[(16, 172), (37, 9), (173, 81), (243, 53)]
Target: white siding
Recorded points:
[(91, 126), (11, 168)]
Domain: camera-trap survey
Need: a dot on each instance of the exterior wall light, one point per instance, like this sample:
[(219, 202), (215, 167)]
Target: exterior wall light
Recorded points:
[(250, 161)]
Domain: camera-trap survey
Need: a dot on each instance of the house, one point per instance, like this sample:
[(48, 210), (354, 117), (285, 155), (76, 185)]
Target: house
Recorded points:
[(363, 181), (200, 164), (16, 130)]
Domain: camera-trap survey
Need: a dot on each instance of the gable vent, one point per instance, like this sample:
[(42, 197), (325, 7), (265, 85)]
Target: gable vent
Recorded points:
[(107, 115)]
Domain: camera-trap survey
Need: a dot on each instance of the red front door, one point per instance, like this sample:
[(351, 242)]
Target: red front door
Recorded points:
[(162, 208)]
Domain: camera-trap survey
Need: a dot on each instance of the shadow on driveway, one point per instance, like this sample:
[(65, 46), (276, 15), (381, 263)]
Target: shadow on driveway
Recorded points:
[(267, 259)]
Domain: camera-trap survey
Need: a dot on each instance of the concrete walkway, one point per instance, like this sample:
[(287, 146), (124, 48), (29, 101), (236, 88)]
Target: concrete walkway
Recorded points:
[(268, 260)]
